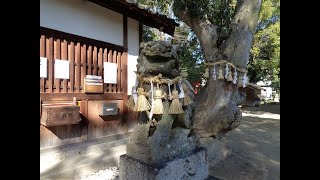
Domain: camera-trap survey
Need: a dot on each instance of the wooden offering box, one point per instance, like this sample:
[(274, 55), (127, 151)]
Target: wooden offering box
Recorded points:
[(93, 85), (60, 114)]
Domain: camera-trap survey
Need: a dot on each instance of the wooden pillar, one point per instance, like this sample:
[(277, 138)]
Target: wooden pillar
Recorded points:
[(140, 32), (125, 70)]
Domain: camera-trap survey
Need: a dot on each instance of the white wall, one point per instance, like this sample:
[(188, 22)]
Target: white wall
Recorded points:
[(82, 18), (92, 21), (268, 89), (133, 50)]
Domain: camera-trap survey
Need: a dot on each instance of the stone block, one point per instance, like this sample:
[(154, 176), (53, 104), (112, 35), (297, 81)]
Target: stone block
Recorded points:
[(193, 166)]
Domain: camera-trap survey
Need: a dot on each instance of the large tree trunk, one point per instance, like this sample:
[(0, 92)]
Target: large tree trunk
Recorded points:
[(217, 111)]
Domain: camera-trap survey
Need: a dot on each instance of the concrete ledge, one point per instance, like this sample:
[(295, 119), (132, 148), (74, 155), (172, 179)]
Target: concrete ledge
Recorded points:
[(193, 167)]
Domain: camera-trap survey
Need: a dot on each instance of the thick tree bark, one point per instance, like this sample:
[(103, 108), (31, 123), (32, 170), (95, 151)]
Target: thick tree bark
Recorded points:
[(217, 112)]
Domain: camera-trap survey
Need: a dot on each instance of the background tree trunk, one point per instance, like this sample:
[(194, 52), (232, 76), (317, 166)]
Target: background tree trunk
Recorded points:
[(217, 112)]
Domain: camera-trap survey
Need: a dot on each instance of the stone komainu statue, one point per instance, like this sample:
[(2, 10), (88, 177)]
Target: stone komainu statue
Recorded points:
[(158, 57), (170, 136)]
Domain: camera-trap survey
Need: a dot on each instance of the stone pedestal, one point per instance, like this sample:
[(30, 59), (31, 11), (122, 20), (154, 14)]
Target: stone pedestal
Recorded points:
[(191, 167)]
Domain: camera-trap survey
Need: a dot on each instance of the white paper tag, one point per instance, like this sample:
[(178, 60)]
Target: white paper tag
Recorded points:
[(110, 73), (61, 69), (226, 72), (214, 73), (169, 84), (134, 94), (43, 67), (152, 101), (181, 95), (245, 80), (235, 78)]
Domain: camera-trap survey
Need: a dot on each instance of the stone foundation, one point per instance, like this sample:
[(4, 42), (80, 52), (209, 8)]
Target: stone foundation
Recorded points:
[(192, 167)]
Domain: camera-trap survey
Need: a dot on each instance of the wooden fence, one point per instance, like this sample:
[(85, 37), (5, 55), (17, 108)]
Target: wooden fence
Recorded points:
[(86, 57)]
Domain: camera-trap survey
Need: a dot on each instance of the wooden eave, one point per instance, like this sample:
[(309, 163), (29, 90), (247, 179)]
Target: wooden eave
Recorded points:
[(145, 17)]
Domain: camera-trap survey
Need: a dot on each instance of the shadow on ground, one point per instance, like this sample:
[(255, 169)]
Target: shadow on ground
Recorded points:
[(255, 147), (273, 108), (91, 161)]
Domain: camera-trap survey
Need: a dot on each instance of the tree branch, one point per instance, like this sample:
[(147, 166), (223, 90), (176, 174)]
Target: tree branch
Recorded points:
[(237, 47), (205, 30), (239, 2), (182, 14)]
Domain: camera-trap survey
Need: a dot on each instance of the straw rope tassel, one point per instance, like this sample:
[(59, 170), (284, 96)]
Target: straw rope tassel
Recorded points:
[(206, 73), (166, 105), (220, 77), (142, 103), (189, 85), (130, 102), (187, 99), (158, 106), (176, 107)]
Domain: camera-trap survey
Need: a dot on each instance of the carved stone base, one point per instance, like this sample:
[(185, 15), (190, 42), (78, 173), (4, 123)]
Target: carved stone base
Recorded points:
[(192, 167)]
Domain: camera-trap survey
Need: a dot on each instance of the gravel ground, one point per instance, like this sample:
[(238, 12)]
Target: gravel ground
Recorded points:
[(255, 146), (111, 173), (255, 149)]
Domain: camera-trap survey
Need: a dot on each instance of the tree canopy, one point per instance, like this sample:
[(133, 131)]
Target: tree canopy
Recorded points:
[(264, 62), (215, 31)]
